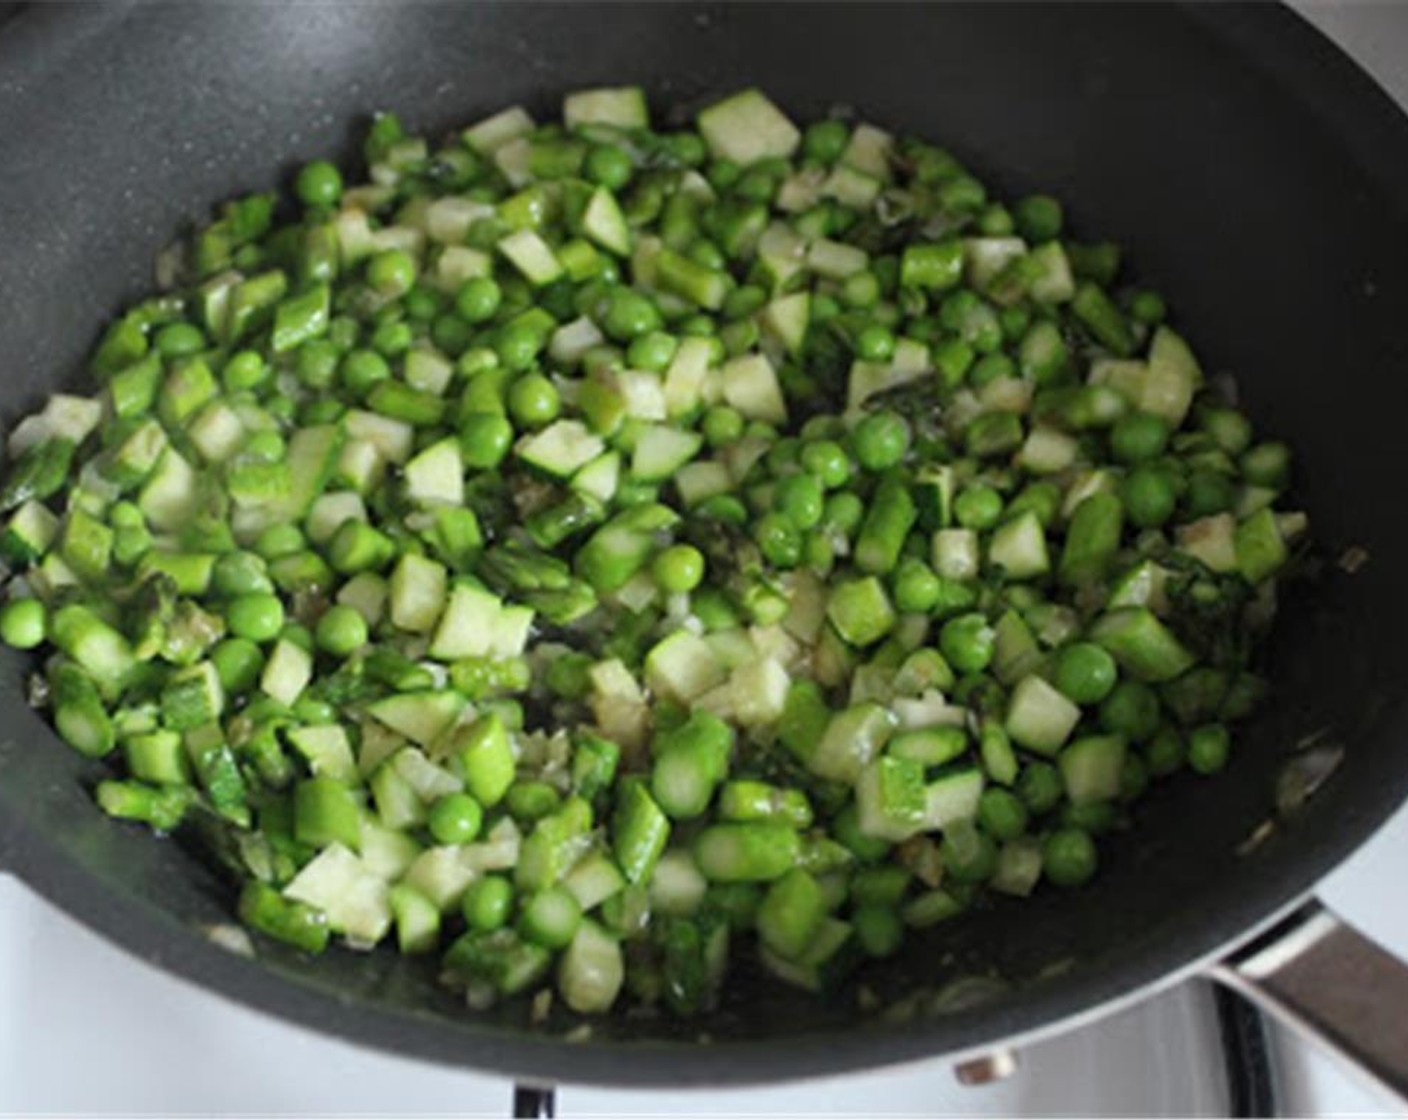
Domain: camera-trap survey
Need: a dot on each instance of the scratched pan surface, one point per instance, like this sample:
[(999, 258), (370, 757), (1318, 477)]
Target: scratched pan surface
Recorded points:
[(1255, 176)]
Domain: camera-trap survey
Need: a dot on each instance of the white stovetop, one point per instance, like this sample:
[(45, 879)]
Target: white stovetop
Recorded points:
[(85, 1029)]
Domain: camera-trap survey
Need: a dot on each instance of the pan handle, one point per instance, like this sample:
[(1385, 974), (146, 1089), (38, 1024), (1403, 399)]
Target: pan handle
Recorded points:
[(1326, 980)]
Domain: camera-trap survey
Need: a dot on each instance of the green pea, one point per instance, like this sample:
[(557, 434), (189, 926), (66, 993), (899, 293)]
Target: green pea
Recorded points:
[(245, 369), (799, 498), (479, 359), (879, 930), (1039, 218), (961, 309), (178, 340), (1209, 492), (1208, 748), (488, 903), (258, 617), (1267, 464), (1166, 752), (319, 184), (241, 573), (309, 709), (298, 635), (629, 313), (1095, 817), (362, 370), (1014, 321), (391, 340), (326, 410), (875, 344), (779, 540), (828, 461), (824, 307), (455, 819), (1002, 813), (1229, 429), (23, 623), (1149, 496), (679, 568), (861, 290), (533, 400), (977, 506), (722, 425), (822, 427), (1085, 673), (280, 540), (517, 346), (755, 186), (1138, 436), (127, 515), (1147, 307), (1068, 857), (569, 676), (653, 351), (916, 586), (881, 440), (694, 326), (705, 252), (824, 141), (967, 642), (1040, 787), (422, 304), (991, 367), (485, 438), (1132, 710), (722, 507), (391, 272), (453, 334), (713, 609), (963, 194), (743, 301), (608, 166), (723, 174), (478, 300), (996, 221), (932, 164), (341, 631), (688, 148), (238, 663)]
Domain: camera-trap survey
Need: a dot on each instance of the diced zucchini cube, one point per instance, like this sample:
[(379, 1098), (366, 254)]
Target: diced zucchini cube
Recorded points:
[(748, 127), (1039, 717), (532, 256), (620, 107), (417, 593), (750, 385), (287, 672), (436, 475), (682, 667)]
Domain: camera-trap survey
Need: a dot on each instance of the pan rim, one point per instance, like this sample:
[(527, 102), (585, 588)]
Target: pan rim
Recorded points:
[(1281, 37)]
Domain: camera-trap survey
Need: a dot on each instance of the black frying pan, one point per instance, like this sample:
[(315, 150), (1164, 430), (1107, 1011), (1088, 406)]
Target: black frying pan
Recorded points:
[(1257, 178)]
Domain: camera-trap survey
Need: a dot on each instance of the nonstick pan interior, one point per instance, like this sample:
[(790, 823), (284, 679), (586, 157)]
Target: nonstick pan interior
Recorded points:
[(1255, 177)]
